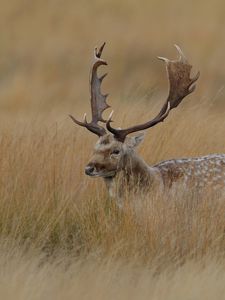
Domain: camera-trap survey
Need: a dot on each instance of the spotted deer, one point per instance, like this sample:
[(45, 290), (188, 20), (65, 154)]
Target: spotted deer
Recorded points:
[(114, 153)]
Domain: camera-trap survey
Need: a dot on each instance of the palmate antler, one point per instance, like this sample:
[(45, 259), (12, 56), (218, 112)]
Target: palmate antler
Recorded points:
[(98, 100), (180, 85)]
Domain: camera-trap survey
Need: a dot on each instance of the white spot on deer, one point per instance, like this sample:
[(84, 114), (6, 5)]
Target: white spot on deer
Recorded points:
[(189, 173), (218, 162), (198, 172)]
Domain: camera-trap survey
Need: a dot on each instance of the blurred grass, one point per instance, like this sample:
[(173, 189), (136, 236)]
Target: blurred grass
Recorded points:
[(46, 49), (58, 231)]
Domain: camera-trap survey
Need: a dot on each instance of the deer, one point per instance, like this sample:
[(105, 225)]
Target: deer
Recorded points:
[(115, 155)]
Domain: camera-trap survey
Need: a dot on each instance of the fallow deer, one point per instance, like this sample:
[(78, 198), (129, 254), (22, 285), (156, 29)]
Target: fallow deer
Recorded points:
[(114, 153)]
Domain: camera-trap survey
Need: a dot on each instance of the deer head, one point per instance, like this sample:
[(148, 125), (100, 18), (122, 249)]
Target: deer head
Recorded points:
[(114, 150)]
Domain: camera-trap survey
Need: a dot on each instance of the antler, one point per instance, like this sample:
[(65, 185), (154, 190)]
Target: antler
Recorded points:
[(98, 100), (180, 85)]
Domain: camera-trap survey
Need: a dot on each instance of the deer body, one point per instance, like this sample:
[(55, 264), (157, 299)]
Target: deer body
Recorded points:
[(207, 172), (199, 172), (115, 154), (132, 171)]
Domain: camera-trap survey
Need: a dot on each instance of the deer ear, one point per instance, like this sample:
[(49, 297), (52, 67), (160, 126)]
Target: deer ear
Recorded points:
[(134, 141)]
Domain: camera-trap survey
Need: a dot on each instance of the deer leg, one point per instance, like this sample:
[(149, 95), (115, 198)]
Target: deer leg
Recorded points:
[(110, 184), (113, 192)]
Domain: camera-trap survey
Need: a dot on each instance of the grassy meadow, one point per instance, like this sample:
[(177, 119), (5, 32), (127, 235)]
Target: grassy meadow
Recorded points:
[(60, 236)]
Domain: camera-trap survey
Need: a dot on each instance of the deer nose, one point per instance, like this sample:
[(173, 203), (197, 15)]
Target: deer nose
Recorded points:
[(89, 170)]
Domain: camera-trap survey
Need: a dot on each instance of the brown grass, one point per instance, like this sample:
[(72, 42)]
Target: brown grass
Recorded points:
[(60, 233), (60, 236)]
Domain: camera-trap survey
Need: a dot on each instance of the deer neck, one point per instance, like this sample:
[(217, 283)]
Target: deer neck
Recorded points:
[(135, 166), (134, 173), (139, 171)]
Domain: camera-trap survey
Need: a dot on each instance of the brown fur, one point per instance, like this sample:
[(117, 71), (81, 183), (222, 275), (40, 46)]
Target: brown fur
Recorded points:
[(133, 172)]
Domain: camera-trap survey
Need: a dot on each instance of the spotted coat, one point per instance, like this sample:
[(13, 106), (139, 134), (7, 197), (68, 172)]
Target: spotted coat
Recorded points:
[(206, 171)]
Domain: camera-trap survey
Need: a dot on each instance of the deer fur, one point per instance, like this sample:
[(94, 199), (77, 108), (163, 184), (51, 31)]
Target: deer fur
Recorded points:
[(187, 173), (127, 164)]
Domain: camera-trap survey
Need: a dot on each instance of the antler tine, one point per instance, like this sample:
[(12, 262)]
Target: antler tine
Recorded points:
[(180, 85), (182, 58), (120, 134), (98, 53), (97, 99)]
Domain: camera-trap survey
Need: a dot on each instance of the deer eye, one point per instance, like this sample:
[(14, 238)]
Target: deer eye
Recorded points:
[(116, 152)]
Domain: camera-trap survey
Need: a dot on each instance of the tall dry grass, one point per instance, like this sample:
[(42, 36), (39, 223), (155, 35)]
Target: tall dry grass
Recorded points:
[(59, 232), (60, 236)]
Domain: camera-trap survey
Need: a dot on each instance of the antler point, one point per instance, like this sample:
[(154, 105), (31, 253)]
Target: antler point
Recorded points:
[(182, 58), (72, 117), (168, 106), (166, 60), (75, 121), (103, 76), (191, 89), (110, 116), (85, 118)]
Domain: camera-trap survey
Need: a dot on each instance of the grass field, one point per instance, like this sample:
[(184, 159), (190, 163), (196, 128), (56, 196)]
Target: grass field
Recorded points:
[(60, 236)]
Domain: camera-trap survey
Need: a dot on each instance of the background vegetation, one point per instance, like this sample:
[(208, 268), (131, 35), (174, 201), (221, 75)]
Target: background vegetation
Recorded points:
[(60, 237)]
